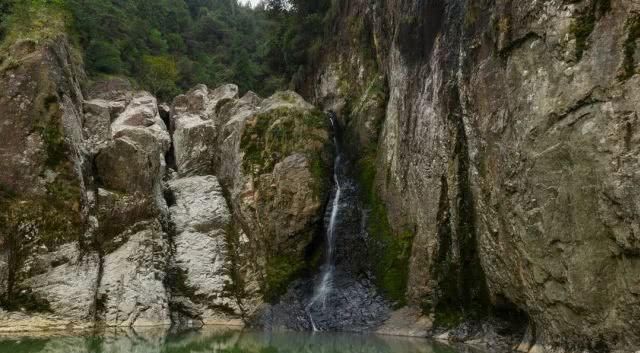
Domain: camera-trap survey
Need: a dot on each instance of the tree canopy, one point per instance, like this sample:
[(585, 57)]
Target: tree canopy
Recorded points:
[(167, 46)]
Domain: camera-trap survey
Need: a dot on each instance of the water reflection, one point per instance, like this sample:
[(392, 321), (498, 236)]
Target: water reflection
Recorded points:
[(217, 340)]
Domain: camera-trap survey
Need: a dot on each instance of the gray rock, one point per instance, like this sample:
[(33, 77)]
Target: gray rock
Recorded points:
[(132, 291), (506, 144), (97, 124), (202, 221), (68, 281)]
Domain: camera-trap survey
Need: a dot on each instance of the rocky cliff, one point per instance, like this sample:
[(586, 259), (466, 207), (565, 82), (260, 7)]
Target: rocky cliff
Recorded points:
[(120, 211), (500, 140), (495, 146)]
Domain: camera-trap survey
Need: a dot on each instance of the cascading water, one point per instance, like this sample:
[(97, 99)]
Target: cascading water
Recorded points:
[(324, 287), (342, 296)]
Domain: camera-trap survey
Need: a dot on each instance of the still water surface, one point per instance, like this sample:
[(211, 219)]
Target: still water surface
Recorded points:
[(217, 340)]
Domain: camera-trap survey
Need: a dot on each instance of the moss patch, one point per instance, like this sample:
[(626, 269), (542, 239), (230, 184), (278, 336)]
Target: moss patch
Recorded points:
[(280, 271), (274, 135), (584, 24), (34, 20), (630, 47), (390, 250)]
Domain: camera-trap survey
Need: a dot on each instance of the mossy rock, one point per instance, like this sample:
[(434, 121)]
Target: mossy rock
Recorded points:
[(390, 248), (280, 272), (287, 153), (273, 135)]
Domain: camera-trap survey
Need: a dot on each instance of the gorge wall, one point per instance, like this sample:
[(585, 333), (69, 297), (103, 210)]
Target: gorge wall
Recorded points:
[(495, 144), (119, 211), (500, 139)]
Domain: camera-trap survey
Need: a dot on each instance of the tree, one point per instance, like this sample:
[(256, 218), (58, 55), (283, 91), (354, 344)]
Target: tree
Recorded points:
[(160, 74), (104, 57)]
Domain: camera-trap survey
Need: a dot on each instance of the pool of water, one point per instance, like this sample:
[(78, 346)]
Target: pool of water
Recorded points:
[(216, 340)]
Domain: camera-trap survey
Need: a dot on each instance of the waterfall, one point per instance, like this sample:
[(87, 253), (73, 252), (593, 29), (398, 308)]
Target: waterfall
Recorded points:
[(342, 296), (325, 285)]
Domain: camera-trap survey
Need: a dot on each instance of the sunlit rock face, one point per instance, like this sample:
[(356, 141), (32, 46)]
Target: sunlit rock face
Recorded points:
[(507, 142)]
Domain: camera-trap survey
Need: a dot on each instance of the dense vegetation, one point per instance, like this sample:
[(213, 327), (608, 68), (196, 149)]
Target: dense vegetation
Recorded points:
[(170, 45), (166, 45)]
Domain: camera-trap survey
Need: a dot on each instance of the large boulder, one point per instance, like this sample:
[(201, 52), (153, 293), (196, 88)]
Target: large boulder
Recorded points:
[(195, 120), (132, 290), (203, 260), (274, 158)]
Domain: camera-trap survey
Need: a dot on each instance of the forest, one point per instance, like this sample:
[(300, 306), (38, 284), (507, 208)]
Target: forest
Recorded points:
[(167, 46)]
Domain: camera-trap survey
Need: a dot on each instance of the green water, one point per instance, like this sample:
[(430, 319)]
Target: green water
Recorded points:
[(216, 340)]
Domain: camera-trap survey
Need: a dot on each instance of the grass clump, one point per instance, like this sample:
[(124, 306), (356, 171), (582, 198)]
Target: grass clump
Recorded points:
[(33, 20)]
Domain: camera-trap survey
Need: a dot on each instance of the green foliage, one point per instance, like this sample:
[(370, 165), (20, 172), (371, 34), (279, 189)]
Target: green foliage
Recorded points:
[(159, 75), (208, 41), (104, 57), (295, 42)]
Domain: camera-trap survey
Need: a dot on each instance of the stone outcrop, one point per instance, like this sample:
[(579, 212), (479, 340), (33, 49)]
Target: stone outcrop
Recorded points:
[(271, 156), (132, 290), (47, 265), (505, 144), (111, 211), (203, 226)]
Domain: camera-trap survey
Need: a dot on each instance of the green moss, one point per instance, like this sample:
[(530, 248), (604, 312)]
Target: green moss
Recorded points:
[(584, 24), (34, 20), (280, 271), (472, 14), (53, 136), (237, 285), (320, 173), (279, 133), (630, 47), (390, 250)]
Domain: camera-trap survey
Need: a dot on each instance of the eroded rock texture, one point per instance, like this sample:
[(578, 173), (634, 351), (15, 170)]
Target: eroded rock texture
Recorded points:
[(272, 157), (508, 150), (111, 209)]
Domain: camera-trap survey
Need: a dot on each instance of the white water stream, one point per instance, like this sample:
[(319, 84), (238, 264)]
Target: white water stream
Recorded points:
[(325, 285)]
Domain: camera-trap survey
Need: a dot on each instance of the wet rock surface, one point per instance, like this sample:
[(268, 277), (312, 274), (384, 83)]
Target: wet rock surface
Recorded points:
[(353, 302), (507, 146)]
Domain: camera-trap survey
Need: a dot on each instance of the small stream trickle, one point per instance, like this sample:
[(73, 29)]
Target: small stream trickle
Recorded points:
[(325, 285), (342, 295)]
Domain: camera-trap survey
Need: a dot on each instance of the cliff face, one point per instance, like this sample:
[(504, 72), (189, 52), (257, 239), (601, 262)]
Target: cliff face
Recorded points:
[(112, 212), (502, 138)]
